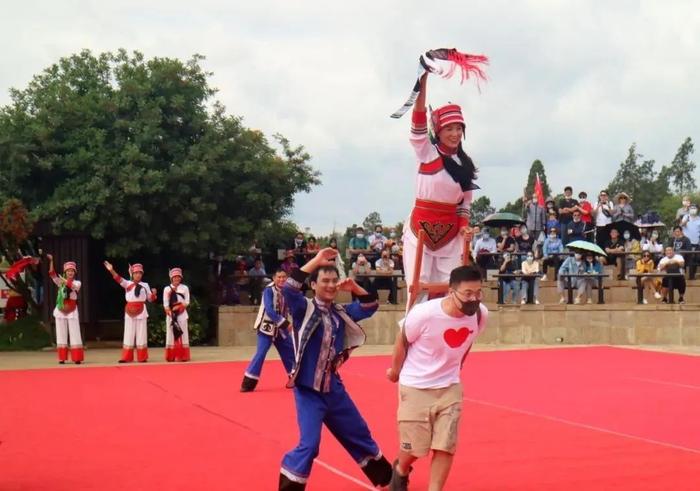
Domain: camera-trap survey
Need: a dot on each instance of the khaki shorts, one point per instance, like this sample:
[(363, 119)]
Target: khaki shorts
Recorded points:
[(429, 419)]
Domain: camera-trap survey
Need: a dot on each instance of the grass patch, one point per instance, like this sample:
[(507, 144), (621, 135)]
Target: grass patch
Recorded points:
[(26, 333)]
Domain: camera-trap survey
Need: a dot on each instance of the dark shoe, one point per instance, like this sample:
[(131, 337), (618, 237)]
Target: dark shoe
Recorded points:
[(78, 362), (681, 300), (61, 362), (123, 361), (286, 484), (248, 384), (398, 482), (143, 361), (378, 471)]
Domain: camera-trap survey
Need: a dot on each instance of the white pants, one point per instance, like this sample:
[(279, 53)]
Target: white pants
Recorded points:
[(135, 330), (68, 328), (170, 337)]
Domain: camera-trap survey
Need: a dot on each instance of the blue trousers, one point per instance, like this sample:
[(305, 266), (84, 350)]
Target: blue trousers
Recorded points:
[(283, 343), (336, 410)]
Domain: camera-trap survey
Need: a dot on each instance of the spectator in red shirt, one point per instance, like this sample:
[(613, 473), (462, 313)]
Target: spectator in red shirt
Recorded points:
[(586, 209)]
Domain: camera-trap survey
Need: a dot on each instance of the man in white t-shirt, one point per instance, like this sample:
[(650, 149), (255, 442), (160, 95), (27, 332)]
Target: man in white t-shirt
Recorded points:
[(428, 356)]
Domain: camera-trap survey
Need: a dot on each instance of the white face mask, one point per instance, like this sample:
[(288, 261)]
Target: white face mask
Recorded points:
[(552, 236), (626, 235), (693, 211), (530, 259), (577, 257), (485, 235), (654, 235), (392, 234), (360, 236), (504, 233)]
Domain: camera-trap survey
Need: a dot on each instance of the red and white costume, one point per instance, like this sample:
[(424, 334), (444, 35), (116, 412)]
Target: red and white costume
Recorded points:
[(67, 319), (441, 206), (135, 316), (176, 349)]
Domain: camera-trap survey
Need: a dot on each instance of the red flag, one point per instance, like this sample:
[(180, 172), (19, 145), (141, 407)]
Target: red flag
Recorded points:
[(538, 191)]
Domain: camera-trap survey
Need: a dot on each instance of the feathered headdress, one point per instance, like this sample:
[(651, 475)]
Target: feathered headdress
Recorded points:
[(445, 62)]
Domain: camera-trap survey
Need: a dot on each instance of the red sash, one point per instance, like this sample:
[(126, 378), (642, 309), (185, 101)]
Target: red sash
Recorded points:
[(439, 221), (133, 309), (69, 305)]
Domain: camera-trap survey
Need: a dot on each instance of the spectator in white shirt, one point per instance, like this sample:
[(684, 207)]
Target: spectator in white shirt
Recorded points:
[(672, 263), (484, 246), (691, 229), (377, 239), (384, 265), (652, 244), (603, 215), (531, 266)]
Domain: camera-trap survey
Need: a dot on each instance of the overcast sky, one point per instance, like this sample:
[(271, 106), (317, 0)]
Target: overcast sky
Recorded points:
[(571, 83)]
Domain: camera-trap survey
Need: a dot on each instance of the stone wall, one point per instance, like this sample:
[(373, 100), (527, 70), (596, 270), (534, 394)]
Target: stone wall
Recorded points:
[(622, 324)]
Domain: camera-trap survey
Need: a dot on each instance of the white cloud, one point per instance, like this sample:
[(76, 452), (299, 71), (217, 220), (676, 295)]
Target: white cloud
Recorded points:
[(572, 83)]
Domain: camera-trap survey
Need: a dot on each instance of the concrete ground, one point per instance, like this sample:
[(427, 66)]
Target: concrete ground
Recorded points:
[(98, 357)]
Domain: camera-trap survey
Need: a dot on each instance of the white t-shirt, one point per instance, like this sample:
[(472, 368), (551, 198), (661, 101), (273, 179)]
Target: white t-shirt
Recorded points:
[(437, 344), (676, 257)]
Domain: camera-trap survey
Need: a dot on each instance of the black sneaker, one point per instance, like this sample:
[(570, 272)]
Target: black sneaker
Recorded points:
[(398, 482), (248, 384)]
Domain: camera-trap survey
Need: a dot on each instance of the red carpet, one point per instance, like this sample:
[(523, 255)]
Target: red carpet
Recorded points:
[(559, 419)]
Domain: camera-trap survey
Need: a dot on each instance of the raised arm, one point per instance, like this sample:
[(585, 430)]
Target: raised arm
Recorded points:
[(365, 305), (52, 272), (420, 100), (122, 282)]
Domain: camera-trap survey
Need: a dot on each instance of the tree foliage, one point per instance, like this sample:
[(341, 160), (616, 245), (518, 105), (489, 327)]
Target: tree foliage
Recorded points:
[(137, 152), (371, 221), (481, 207), (682, 169), (537, 168)]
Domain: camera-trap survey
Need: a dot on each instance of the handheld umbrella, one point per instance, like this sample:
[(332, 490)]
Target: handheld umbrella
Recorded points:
[(585, 246)]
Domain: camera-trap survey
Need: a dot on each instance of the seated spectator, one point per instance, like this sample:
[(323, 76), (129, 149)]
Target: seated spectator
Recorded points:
[(229, 291), (552, 246), (525, 242), (614, 248), (362, 267), (632, 248), (653, 245), (571, 265), (476, 235), (385, 265), (485, 246), (672, 263), (359, 244), (298, 248), (623, 210), (257, 276), (531, 266), (646, 265), (289, 264), (575, 229), (505, 243), (590, 266), (396, 257), (508, 285), (553, 223), (241, 272), (377, 239), (312, 246)]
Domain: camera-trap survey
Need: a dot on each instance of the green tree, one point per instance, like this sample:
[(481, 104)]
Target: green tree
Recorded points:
[(136, 152), (535, 169), (481, 207), (682, 168), (514, 207), (371, 221)]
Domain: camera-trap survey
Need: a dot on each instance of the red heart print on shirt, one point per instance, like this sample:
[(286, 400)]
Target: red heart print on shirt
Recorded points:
[(456, 337)]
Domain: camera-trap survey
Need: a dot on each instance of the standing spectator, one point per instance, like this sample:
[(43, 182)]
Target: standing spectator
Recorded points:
[(567, 205), (590, 266), (691, 229), (632, 250), (508, 285), (603, 216), (377, 239), (623, 210), (550, 207), (359, 244), (298, 248), (672, 263), (312, 246), (646, 265), (257, 276), (576, 229), (362, 267), (614, 248), (385, 265), (553, 223), (535, 218), (683, 210), (531, 266), (483, 249), (586, 209), (571, 265), (552, 246)]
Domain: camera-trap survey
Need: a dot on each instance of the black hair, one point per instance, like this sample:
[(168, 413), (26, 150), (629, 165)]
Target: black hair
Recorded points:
[(464, 174), (328, 269), (677, 228), (568, 188), (470, 272), (279, 270)]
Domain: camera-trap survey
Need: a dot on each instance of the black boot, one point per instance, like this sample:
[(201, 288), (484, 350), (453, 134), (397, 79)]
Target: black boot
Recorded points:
[(248, 384), (398, 482), (287, 484), (378, 471)]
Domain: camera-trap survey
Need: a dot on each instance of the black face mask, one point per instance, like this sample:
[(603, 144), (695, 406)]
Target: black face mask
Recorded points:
[(467, 308)]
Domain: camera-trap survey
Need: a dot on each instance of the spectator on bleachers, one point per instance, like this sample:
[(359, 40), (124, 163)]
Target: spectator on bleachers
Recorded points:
[(476, 235), (257, 276), (484, 246), (614, 247), (679, 241), (359, 244), (386, 266), (622, 210), (672, 263), (553, 223), (576, 229), (505, 243), (337, 260), (653, 244), (396, 257), (632, 246), (591, 266), (298, 248), (535, 216), (552, 246), (683, 210), (571, 265), (525, 242), (646, 265), (362, 267), (509, 285), (586, 209), (567, 205), (531, 265), (377, 239), (551, 206), (603, 216), (691, 229), (289, 264), (312, 246)]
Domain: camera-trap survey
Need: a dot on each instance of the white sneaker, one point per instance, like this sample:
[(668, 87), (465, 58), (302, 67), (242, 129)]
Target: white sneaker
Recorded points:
[(657, 295), (523, 302), (537, 302), (644, 301), (562, 300), (577, 300), (589, 301)]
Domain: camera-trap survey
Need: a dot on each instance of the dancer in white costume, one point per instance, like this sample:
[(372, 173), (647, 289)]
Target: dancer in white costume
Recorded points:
[(66, 313)]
